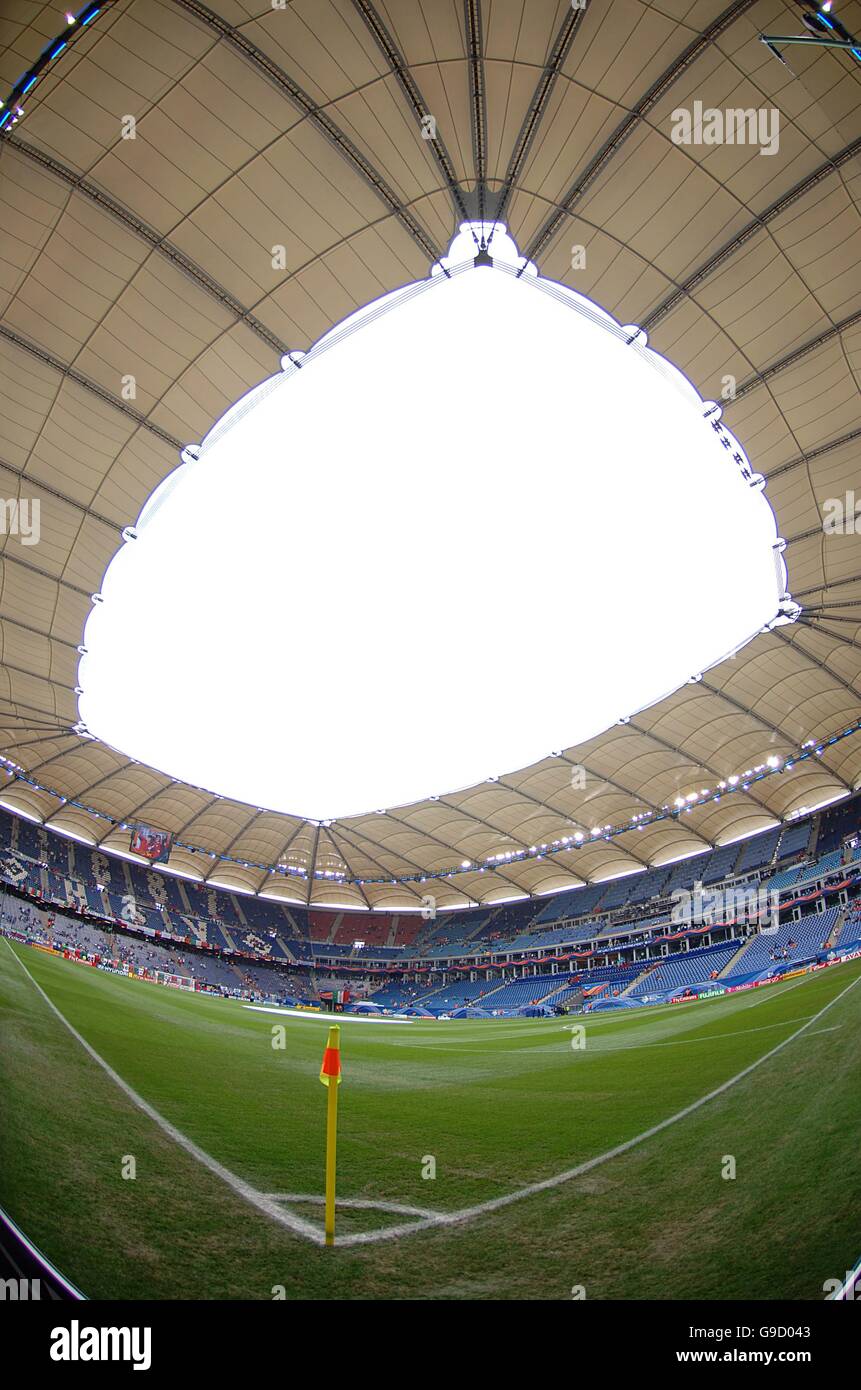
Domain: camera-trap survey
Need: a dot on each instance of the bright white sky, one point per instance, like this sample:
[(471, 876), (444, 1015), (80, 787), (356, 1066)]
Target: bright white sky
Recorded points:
[(476, 530)]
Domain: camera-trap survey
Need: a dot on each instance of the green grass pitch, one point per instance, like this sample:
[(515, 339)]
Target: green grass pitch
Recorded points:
[(497, 1105)]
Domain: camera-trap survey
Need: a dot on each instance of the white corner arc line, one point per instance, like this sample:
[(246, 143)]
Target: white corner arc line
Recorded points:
[(358, 1203), (266, 1204), (547, 1184)]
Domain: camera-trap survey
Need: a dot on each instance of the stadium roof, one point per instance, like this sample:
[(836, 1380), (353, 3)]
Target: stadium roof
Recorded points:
[(146, 263)]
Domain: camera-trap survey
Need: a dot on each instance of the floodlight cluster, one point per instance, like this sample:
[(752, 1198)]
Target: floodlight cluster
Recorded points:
[(772, 765), (11, 110)]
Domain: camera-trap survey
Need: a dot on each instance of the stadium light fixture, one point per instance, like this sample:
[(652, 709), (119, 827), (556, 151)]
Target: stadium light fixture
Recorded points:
[(464, 455)]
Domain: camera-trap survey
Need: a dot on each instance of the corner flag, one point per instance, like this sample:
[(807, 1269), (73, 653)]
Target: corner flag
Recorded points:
[(331, 1068), (330, 1072)]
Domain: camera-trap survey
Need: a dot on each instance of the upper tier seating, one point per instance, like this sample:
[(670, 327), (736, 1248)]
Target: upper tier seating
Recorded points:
[(573, 903), (794, 840), (721, 863), (757, 852), (836, 823)]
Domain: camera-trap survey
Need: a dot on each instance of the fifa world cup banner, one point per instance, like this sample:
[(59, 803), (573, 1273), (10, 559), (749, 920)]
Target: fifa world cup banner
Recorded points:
[(152, 844)]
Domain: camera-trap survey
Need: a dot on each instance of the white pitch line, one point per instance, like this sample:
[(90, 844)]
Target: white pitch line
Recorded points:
[(266, 1204), (399, 1208), (547, 1184), (601, 1051), (243, 1189), (327, 1017)]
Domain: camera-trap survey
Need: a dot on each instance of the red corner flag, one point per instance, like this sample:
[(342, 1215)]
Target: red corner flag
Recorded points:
[(331, 1067), (329, 1072)]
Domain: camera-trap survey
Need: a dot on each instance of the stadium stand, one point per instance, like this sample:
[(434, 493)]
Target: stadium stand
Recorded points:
[(163, 922), (757, 852), (576, 902), (836, 823), (794, 841), (720, 865), (782, 879), (456, 994), (824, 865), (802, 940), (687, 872), (649, 885), (525, 991), (685, 968)]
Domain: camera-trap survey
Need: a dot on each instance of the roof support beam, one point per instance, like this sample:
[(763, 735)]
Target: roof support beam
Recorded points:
[(72, 374), (827, 585), (745, 709), (452, 850), (817, 625), (43, 738), (211, 801), (477, 99), (7, 558), (823, 665), (419, 868), (343, 856), (706, 767), (273, 870), (760, 378), (157, 243), (504, 834), (601, 159), (268, 68), (52, 718), (35, 675), (538, 105), (626, 791), (38, 485), (410, 88), (813, 454), (86, 791), (313, 865), (255, 815), (37, 632), (557, 811), (838, 603), (757, 224), (127, 819)]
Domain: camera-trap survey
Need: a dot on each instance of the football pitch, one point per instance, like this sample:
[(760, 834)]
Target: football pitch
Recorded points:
[(705, 1150)]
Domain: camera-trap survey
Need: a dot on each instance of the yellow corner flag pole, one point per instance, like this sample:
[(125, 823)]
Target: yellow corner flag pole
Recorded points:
[(330, 1075)]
